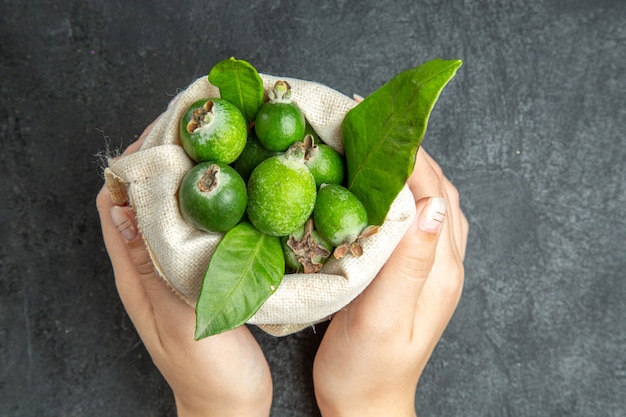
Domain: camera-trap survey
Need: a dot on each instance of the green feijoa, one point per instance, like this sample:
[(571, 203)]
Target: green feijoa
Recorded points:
[(279, 122), (326, 164), (253, 154), (213, 130), (212, 197), (281, 194), (341, 219), (305, 250)]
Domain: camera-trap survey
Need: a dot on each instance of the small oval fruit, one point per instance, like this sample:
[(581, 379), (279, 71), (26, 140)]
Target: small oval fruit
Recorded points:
[(212, 197), (326, 164), (339, 216), (253, 154), (213, 130), (279, 122), (281, 195)]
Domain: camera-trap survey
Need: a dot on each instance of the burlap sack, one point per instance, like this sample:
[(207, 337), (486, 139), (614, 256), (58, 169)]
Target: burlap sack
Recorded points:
[(148, 180)]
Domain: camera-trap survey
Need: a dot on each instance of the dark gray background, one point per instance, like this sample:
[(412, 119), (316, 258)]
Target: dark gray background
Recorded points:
[(531, 131)]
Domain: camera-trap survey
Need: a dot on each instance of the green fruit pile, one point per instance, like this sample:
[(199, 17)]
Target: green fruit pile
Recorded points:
[(274, 171), (278, 197)]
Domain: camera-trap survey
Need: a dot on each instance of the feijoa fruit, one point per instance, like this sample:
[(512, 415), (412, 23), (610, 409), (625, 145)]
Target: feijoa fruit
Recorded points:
[(281, 194), (279, 122), (213, 130), (341, 219), (212, 197), (253, 154), (326, 164)]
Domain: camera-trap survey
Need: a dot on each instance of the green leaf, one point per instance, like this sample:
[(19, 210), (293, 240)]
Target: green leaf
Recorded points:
[(245, 269), (240, 83), (382, 134)]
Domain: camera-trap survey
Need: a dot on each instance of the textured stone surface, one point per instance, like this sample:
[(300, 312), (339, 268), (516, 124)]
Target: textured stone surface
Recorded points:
[(531, 131)]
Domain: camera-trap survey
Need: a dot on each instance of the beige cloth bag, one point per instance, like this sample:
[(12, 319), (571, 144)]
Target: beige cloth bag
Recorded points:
[(148, 181)]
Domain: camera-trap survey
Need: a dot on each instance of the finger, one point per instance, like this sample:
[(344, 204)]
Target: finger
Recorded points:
[(425, 181), (390, 301), (442, 290), (447, 274), (456, 218), (464, 234), (449, 246), (163, 302), (129, 286), (439, 300)]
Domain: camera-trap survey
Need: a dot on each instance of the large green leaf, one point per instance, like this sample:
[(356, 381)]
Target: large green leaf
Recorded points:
[(382, 134), (245, 269), (240, 83)]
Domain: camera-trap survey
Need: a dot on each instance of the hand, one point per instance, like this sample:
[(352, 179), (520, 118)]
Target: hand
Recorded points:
[(223, 375), (374, 350)]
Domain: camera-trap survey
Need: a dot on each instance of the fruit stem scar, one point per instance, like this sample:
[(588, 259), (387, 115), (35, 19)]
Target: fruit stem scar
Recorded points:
[(281, 91), (296, 151), (209, 180), (310, 149), (201, 116)]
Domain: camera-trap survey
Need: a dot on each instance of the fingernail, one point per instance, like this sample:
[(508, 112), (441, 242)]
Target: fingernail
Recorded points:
[(432, 216), (123, 223)]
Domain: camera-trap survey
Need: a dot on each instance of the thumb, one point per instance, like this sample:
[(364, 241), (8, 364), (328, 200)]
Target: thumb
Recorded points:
[(392, 296), (414, 257), (126, 225)]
